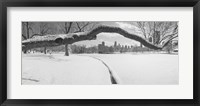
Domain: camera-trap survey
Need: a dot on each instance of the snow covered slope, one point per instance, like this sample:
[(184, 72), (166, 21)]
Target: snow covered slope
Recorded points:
[(60, 69), (87, 69)]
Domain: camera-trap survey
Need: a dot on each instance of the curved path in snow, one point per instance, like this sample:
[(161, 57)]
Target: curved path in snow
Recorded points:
[(113, 77), (100, 69), (141, 69)]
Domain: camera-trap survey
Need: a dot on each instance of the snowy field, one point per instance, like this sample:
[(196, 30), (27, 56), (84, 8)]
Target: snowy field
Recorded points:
[(97, 69)]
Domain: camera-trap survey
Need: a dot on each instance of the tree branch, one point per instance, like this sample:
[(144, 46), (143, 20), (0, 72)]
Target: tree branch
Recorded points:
[(78, 27), (85, 25), (167, 37), (24, 36), (70, 24), (56, 40), (165, 44)]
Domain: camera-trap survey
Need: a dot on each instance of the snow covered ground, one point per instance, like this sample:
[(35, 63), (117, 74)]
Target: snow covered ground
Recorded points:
[(89, 69)]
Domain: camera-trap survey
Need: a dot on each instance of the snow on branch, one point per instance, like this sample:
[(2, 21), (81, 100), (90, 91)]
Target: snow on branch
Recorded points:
[(61, 39)]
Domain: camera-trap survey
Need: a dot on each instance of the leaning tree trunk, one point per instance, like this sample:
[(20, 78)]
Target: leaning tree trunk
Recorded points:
[(45, 50), (66, 50), (27, 29)]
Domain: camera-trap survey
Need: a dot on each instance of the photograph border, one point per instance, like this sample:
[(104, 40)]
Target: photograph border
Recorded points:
[(98, 3)]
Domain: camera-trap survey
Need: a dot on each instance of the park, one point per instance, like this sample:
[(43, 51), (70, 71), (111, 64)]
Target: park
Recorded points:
[(65, 59)]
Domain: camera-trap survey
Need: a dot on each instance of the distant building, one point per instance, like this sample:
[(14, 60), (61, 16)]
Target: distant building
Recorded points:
[(102, 48), (116, 48), (103, 43), (115, 44)]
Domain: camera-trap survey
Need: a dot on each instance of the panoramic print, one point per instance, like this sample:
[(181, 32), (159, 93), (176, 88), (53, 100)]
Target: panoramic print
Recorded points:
[(100, 53)]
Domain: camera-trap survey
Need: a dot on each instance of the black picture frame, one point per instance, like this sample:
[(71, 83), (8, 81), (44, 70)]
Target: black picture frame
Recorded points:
[(99, 3)]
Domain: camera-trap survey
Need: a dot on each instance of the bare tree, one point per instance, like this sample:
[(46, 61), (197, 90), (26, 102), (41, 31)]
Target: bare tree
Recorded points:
[(74, 27), (142, 27), (43, 30), (65, 27), (26, 28), (174, 31), (156, 32)]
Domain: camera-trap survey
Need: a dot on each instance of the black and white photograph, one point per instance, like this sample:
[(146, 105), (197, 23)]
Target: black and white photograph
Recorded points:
[(100, 53)]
